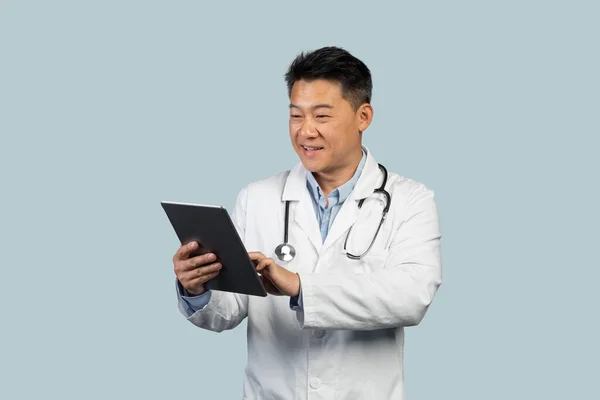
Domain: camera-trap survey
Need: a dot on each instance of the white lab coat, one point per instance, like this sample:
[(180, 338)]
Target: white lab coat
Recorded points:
[(347, 343)]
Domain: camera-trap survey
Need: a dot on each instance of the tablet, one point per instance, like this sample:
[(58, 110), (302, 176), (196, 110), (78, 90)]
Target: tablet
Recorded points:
[(213, 229)]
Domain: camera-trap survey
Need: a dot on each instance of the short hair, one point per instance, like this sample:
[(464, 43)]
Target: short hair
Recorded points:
[(336, 65)]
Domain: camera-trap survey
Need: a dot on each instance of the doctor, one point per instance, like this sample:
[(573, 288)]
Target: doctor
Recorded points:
[(333, 324)]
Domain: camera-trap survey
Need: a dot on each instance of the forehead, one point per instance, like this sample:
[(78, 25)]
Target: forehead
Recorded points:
[(319, 90)]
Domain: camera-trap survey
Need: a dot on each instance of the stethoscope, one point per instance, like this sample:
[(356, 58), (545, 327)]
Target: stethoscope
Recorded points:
[(287, 252)]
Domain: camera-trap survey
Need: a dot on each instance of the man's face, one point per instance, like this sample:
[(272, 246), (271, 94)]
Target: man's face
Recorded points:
[(324, 127)]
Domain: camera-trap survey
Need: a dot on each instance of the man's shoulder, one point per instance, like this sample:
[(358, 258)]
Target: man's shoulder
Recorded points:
[(407, 190), (268, 183)]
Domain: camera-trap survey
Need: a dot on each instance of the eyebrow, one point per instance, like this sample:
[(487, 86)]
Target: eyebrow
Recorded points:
[(314, 107)]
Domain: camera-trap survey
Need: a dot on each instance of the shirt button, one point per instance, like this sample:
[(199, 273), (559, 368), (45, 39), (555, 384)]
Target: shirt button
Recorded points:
[(319, 333), (315, 383)]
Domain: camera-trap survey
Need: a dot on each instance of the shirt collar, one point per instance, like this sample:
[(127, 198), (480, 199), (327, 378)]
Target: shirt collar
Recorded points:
[(342, 191)]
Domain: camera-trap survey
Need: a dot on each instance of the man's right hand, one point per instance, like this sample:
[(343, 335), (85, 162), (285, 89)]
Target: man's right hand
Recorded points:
[(194, 272)]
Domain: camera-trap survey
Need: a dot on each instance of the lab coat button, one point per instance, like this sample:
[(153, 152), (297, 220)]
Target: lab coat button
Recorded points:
[(315, 383), (319, 333)]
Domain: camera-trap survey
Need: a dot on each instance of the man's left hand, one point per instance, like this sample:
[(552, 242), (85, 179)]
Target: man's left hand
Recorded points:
[(276, 279)]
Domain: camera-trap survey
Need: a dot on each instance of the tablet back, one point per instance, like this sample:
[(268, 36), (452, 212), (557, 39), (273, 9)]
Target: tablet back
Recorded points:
[(213, 229)]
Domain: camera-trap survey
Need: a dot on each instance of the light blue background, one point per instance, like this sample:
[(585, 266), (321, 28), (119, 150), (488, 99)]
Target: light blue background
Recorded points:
[(108, 107)]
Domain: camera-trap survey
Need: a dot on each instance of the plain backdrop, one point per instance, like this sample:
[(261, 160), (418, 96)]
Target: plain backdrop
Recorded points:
[(109, 107)]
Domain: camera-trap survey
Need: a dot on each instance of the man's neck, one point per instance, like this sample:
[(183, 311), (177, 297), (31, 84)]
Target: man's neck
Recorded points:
[(328, 182)]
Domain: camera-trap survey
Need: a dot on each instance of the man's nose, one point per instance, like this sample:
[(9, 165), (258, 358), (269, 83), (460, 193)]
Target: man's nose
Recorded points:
[(308, 128)]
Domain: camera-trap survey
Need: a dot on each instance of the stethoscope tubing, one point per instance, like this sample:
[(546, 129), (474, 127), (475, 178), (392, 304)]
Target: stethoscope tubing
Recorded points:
[(285, 244)]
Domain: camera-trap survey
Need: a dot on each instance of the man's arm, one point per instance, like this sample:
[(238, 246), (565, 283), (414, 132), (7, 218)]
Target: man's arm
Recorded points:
[(397, 295)]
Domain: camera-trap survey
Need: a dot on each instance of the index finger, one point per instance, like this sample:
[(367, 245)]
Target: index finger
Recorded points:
[(256, 255), (185, 250)]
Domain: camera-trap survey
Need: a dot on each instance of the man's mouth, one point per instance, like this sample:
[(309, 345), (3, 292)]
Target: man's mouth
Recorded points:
[(312, 148)]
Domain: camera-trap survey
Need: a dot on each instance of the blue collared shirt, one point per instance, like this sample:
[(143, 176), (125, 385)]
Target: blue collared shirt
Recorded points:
[(325, 216)]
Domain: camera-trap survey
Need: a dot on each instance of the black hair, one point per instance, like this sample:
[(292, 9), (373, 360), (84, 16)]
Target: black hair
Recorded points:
[(337, 65)]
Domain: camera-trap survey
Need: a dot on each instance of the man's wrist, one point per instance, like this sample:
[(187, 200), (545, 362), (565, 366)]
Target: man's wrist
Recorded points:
[(299, 286), (189, 293), (194, 294)]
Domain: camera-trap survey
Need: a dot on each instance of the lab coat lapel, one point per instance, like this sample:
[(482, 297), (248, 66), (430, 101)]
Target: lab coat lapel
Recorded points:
[(304, 215), (301, 208), (368, 181), (343, 221)]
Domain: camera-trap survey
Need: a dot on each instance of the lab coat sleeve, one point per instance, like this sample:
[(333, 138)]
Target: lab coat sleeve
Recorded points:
[(397, 295), (223, 310)]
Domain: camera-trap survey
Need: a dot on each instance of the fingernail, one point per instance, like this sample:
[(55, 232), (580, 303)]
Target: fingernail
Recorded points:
[(212, 257), (192, 245)]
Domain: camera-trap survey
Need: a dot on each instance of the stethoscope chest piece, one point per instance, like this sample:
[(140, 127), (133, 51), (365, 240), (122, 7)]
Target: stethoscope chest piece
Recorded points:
[(285, 252)]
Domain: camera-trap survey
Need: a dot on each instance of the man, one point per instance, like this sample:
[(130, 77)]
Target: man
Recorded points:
[(333, 324)]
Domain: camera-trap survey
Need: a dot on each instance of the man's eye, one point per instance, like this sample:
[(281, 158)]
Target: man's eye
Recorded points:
[(295, 116), (322, 116)]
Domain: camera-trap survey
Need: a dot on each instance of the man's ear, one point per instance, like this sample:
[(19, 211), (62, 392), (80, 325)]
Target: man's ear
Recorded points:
[(364, 114)]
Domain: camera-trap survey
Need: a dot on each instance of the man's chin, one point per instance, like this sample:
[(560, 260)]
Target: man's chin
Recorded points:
[(311, 165)]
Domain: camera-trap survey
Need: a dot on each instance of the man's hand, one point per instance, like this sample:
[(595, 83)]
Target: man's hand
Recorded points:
[(276, 279), (194, 272)]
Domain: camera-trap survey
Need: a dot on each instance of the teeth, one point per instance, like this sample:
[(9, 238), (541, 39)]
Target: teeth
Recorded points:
[(312, 148)]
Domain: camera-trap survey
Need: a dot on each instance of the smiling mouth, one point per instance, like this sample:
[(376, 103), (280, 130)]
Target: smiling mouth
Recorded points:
[(312, 148)]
